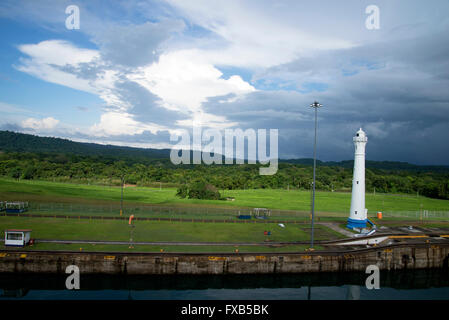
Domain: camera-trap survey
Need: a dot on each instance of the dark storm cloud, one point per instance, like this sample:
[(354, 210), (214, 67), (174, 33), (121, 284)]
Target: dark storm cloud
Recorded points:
[(396, 90), (84, 70), (392, 82), (135, 45), (145, 107), (10, 127)]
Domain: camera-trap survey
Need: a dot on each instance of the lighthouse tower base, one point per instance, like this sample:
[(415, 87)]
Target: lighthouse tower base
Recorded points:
[(356, 223)]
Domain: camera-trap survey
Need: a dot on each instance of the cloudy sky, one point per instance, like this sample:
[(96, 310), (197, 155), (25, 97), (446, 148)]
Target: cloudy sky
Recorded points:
[(136, 71)]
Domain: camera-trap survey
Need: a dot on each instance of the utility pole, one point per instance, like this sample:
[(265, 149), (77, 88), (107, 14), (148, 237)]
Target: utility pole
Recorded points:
[(421, 214), (311, 199), (121, 198), (314, 105)]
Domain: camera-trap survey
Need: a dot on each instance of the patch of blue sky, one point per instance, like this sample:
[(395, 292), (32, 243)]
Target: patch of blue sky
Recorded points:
[(196, 31), (229, 71), (127, 13), (366, 64), (307, 87), (41, 98), (348, 73), (359, 65), (275, 84), (28, 33), (49, 99), (375, 65)]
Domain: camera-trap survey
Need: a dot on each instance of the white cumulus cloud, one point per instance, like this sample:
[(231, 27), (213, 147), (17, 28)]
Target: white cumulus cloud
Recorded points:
[(40, 124), (184, 81)]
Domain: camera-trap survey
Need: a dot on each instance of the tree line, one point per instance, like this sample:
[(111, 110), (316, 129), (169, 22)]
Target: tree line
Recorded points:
[(106, 170)]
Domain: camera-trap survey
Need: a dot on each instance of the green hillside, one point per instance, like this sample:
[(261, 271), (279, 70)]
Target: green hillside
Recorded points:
[(27, 157), (297, 200), (20, 142)]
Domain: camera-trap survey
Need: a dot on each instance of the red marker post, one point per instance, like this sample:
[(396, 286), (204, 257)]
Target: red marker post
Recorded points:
[(130, 223)]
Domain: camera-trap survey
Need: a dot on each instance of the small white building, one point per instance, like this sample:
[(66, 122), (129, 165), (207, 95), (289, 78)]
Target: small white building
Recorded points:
[(261, 213), (16, 207), (17, 237)]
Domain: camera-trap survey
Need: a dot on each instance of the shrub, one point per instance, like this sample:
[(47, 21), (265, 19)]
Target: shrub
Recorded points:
[(199, 190), (182, 191)]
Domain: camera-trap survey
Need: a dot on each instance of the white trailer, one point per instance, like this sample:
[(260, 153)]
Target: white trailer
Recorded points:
[(17, 237)]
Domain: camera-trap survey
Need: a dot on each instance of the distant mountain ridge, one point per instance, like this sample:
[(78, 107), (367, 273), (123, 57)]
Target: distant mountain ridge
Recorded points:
[(385, 165), (21, 142)]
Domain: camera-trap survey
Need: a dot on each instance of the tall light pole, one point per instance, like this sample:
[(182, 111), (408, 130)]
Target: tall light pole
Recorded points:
[(314, 105)]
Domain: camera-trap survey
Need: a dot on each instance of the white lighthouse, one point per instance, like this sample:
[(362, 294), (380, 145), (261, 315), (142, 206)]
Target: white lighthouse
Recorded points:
[(358, 214)]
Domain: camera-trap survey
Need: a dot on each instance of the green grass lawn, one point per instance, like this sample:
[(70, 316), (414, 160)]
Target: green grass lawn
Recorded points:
[(326, 202), (183, 249), (62, 229), (104, 201)]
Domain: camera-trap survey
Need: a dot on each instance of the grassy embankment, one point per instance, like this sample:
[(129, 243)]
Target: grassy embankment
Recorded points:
[(61, 229), (326, 202), (331, 205), (169, 249)]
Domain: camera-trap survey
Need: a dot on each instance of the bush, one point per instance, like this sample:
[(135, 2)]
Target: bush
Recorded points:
[(199, 190), (28, 174), (182, 191), (15, 173)]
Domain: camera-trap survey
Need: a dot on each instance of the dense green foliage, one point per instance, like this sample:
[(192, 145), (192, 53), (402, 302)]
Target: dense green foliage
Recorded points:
[(30, 157), (38, 191), (386, 165), (103, 170), (13, 141), (198, 190)]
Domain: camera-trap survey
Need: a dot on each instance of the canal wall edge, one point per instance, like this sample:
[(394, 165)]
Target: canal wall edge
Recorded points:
[(396, 257)]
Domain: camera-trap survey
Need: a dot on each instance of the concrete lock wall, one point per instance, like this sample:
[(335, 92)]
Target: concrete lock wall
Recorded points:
[(391, 258)]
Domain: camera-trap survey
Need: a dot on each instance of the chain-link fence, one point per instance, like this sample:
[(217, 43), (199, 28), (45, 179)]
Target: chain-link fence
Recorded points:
[(207, 213), (418, 215), (151, 211)]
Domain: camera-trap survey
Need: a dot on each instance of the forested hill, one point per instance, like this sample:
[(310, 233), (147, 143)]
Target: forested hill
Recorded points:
[(29, 157), (384, 165), (20, 142)]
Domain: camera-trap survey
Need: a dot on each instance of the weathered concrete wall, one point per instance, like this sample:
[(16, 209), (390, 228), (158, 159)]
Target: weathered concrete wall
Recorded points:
[(386, 258)]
